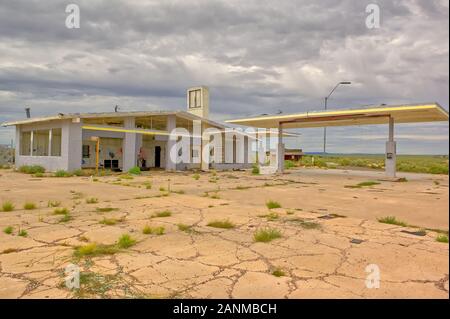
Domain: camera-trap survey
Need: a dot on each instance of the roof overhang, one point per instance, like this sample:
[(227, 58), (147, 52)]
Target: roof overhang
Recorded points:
[(431, 112)]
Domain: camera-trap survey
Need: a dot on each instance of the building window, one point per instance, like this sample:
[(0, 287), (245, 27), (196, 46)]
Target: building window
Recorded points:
[(86, 153), (56, 142), (25, 143), (195, 99), (40, 142)]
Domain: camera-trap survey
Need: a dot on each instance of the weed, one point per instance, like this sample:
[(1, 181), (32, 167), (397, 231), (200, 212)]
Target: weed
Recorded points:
[(147, 230), (22, 233), (442, 238), (53, 203), (272, 204), (185, 228), (8, 230), (62, 173), (7, 206), (165, 213), (255, 170), (29, 206), (266, 235), (31, 169), (278, 273), (125, 241), (196, 177), (65, 218), (392, 221), (134, 170), (109, 221), (95, 250), (363, 184), (162, 189), (225, 224), (271, 216), (91, 200), (105, 209), (61, 211)]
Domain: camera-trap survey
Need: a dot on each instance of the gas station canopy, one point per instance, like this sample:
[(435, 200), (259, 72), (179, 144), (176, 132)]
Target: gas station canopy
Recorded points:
[(431, 112)]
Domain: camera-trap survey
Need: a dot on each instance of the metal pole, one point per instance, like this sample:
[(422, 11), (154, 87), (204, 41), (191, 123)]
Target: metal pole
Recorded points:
[(325, 131), (97, 153)]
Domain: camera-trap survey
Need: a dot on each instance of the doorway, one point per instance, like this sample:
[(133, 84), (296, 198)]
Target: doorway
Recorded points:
[(157, 156)]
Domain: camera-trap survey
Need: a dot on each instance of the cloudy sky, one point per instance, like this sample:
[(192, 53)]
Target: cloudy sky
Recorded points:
[(256, 57)]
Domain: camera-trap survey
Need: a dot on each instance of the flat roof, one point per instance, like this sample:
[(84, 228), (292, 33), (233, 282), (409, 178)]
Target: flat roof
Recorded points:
[(413, 113), (61, 116)]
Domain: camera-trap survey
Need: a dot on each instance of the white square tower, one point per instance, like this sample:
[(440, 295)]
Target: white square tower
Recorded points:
[(198, 101)]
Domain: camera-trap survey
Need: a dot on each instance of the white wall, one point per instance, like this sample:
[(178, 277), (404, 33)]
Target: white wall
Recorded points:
[(70, 158)]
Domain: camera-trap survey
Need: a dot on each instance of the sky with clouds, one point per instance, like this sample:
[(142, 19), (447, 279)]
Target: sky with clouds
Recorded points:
[(256, 56)]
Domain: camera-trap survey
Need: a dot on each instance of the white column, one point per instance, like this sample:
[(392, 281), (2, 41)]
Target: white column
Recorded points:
[(391, 152), (50, 137), (171, 124), (280, 150), (31, 142), (129, 145)]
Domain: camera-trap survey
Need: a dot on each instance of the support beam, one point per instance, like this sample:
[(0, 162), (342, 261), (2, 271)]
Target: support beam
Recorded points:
[(391, 152), (171, 125), (129, 145), (280, 150)]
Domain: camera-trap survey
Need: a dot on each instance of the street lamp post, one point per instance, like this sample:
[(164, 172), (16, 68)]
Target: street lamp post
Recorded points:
[(326, 106)]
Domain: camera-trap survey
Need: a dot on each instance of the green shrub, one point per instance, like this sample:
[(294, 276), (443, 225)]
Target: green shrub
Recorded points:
[(61, 211), (196, 177), (31, 169), (278, 273), (153, 230), (8, 230), (255, 170), (53, 203), (23, 233), (29, 206), (65, 218), (134, 170), (62, 173), (442, 238), (125, 241), (78, 172), (95, 250), (7, 206), (289, 164), (165, 213), (392, 221), (225, 224), (91, 200), (273, 204), (266, 235)]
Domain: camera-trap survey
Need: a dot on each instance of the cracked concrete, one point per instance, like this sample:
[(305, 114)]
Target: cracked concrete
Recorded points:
[(206, 262)]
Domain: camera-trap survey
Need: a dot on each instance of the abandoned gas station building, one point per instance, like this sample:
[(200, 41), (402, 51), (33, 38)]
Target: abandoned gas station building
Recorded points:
[(128, 139)]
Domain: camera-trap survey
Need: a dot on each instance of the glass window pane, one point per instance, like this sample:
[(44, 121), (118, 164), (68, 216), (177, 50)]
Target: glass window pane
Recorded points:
[(25, 140), (56, 142), (40, 143)]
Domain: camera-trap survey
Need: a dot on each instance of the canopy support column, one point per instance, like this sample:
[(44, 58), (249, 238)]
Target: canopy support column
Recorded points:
[(391, 152), (280, 150)]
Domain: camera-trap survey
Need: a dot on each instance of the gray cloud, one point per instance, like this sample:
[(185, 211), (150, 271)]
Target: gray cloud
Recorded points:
[(256, 57)]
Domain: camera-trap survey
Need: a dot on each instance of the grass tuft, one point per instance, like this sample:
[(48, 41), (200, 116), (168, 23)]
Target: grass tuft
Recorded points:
[(62, 173), (53, 203), (266, 235), (148, 230), (272, 204), (278, 273), (134, 171), (196, 177), (126, 241), (65, 218), (105, 209), (61, 211), (8, 230), (392, 221), (94, 249), (7, 206), (31, 169), (165, 213), (109, 221), (442, 238), (363, 184), (225, 224), (91, 200), (29, 206), (23, 233), (185, 228)]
